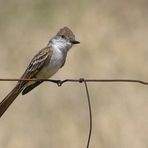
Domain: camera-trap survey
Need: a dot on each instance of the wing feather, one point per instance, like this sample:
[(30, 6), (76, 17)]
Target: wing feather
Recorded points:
[(37, 63)]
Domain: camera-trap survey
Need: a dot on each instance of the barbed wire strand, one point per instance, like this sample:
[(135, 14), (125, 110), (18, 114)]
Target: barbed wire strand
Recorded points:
[(90, 113), (82, 80), (60, 82)]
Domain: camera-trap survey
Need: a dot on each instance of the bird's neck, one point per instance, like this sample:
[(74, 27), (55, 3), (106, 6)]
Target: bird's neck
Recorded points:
[(59, 47)]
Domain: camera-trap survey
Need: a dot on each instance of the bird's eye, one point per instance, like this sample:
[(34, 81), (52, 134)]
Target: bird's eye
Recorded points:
[(63, 36)]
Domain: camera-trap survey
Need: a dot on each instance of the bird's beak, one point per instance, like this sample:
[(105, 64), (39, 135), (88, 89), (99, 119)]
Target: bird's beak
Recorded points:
[(75, 42)]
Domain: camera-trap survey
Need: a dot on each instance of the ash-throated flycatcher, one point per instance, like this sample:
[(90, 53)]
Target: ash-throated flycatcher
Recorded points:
[(44, 64)]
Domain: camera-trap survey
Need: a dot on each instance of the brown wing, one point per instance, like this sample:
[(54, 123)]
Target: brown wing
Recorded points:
[(36, 64)]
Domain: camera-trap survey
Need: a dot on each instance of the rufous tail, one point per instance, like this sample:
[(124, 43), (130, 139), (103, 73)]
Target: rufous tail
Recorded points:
[(6, 102)]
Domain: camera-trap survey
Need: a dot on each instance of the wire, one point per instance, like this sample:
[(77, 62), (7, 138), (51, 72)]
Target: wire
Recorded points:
[(60, 82), (90, 113)]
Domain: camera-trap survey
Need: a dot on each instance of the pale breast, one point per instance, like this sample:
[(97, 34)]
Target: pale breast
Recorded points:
[(53, 66)]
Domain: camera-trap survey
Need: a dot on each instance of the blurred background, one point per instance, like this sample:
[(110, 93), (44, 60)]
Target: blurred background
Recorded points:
[(114, 44)]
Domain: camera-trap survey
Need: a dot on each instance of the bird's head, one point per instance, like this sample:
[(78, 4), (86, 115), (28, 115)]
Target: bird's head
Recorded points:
[(64, 39)]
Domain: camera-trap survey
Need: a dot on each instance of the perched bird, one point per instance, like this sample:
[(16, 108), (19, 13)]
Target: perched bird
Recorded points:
[(43, 65)]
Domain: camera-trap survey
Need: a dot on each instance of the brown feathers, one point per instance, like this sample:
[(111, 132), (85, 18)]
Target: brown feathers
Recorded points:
[(66, 33)]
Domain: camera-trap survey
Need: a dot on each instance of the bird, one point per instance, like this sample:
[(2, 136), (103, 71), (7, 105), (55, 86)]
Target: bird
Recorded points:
[(43, 65)]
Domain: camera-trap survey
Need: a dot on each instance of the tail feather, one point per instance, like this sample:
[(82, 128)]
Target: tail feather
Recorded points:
[(6, 102)]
